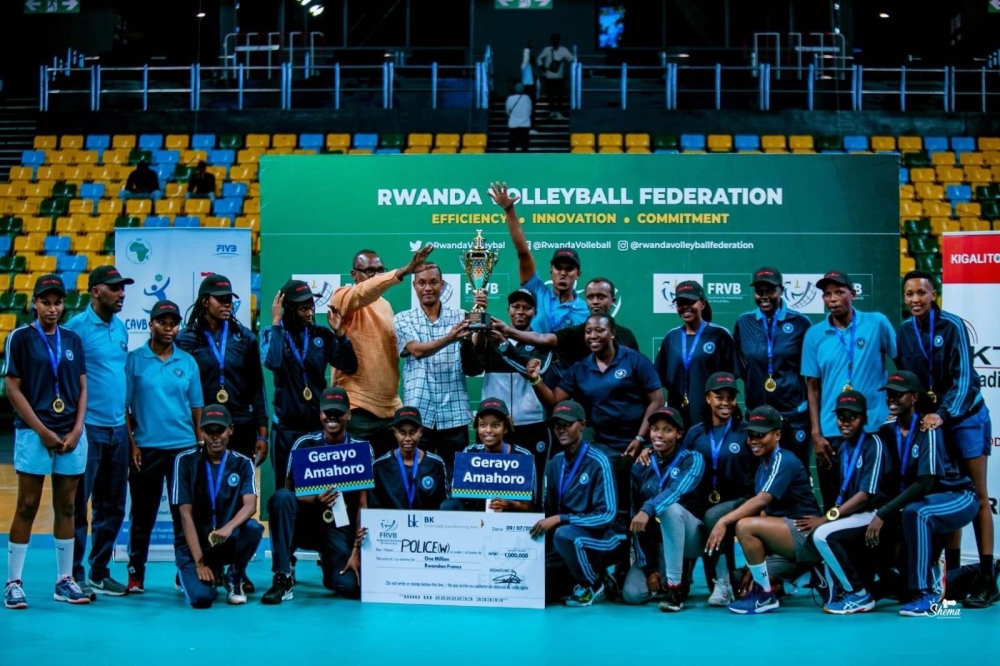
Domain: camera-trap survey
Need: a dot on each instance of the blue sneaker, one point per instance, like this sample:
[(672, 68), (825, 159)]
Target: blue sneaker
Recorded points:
[(849, 603), (756, 602), (69, 591), (922, 606), (13, 596)]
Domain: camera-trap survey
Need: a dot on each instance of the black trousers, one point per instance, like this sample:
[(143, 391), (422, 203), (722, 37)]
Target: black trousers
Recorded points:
[(282, 440), (244, 439), (146, 490), (518, 139), (445, 443), (537, 438)]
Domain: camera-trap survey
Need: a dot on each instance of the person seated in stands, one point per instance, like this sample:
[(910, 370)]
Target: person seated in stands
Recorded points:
[(201, 185), (143, 183)]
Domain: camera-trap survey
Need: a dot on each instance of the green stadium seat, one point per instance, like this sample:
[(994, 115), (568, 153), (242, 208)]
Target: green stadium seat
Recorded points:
[(666, 142), (77, 300), (916, 160), (11, 225), (135, 156), (64, 191), (255, 263), (109, 244), (921, 227), (128, 222), (985, 192), (990, 210), (183, 172), (393, 141), (54, 208), (16, 263), (829, 143), (929, 262), (231, 141), (922, 245), (11, 301)]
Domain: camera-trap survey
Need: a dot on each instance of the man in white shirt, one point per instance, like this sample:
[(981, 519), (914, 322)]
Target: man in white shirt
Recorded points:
[(518, 119), (554, 61)]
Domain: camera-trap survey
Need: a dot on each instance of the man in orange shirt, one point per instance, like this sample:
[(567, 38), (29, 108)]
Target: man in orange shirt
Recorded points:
[(368, 320)]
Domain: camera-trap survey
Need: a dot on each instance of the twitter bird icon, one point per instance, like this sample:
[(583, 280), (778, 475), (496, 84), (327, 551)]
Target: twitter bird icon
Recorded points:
[(415, 245)]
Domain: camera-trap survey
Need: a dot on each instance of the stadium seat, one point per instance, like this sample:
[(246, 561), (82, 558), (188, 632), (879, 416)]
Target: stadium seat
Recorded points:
[(71, 263), (418, 140), (196, 207), (177, 142), (135, 207), (170, 157), (473, 141), (251, 206), (232, 207), (637, 141), (284, 141), (988, 143), (150, 141), (366, 141), (829, 144), (216, 223), (33, 158), (168, 206), (943, 158), (157, 222), (221, 157), (231, 141), (234, 189), (609, 140), (747, 143), (187, 222), (856, 143), (123, 141), (392, 141), (909, 144), (610, 149), (45, 142), (801, 143), (935, 144), (249, 155), (115, 156), (71, 141), (578, 139), (21, 173), (991, 210), (922, 175), (125, 222), (203, 142), (57, 244), (666, 143), (311, 141), (971, 158), (137, 155), (243, 172), (261, 141), (929, 191), (691, 142), (720, 143), (959, 193), (774, 143), (13, 264), (968, 209), (447, 141), (338, 143)]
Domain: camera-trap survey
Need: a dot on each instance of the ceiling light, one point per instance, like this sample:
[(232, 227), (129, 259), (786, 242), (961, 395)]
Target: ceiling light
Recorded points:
[(316, 10), (200, 15), (683, 55), (883, 15)]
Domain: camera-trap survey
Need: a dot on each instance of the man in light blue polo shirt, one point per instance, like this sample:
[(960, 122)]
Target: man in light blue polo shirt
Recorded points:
[(105, 342), (560, 306), (847, 350)]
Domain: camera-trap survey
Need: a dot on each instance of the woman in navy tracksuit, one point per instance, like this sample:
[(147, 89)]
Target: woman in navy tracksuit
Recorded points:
[(409, 477), (298, 353)]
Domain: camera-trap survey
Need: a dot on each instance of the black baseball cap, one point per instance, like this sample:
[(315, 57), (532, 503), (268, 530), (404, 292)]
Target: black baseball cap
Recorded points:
[(334, 399), (569, 411), (767, 275), (164, 308), (903, 381), (46, 283), (216, 415), (689, 290), (835, 277), (108, 275), (216, 285), (297, 291), (566, 254), (493, 406), (763, 420), (720, 381), (521, 295), (407, 414), (667, 414), (852, 401)]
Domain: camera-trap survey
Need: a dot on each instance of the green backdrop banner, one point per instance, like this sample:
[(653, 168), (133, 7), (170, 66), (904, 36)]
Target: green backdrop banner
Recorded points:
[(646, 222)]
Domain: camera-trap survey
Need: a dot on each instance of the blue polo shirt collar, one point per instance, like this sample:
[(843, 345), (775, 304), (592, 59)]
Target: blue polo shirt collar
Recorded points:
[(147, 352), (592, 362), (832, 328), (780, 314)]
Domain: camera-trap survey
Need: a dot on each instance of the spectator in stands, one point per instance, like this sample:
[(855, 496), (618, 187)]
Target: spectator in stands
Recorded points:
[(528, 76), (554, 59), (201, 185), (518, 119), (105, 344), (142, 183), (367, 320), (559, 306), (433, 340)]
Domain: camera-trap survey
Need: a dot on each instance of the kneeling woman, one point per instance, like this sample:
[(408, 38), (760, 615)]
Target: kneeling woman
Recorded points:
[(936, 499), (492, 423), (666, 490), (409, 477)]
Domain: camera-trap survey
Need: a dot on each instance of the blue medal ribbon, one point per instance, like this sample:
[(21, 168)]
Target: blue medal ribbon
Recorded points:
[(215, 483), (299, 356), (768, 465), (219, 352), (847, 472), (903, 448), (409, 483), (665, 477), (55, 358), (687, 358), (769, 333), (853, 328), (564, 481), (717, 448), (929, 352)]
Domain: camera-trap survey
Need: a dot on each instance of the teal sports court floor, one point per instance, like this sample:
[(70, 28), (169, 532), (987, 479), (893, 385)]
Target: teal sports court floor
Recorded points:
[(158, 628)]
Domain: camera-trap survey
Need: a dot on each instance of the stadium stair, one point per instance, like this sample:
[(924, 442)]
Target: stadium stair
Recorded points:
[(552, 136), (18, 122)]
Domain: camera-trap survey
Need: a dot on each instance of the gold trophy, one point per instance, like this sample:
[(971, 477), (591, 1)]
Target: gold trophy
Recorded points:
[(479, 263)]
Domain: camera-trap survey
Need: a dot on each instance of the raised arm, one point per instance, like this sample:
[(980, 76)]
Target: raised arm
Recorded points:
[(525, 262)]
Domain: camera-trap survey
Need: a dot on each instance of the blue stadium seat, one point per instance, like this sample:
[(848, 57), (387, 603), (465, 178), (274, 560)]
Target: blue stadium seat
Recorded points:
[(92, 191), (936, 144), (33, 158), (57, 245), (692, 142), (150, 141), (228, 207), (203, 142), (855, 143), (186, 222), (164, 172), (311, 142), (70, 277), (98, 142), (255, 283), (963, 144), (956, 193), (388, 151), (74, 263), (746, 142), (904, 175), (234, 189), (363, 141), (166, 157), (5, 243), (157, 222), (221, 157)]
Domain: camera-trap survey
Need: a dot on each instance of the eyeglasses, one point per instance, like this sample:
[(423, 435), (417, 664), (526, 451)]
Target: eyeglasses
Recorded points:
[(371, 271), (214, 430)]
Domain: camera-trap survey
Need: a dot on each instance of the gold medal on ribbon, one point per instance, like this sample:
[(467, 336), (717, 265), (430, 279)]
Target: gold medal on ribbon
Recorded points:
[(222, 396), (328, 516), (214, 538), (307, 394), (685, 402), (933, 396), (848, 387), (770, 385), (833, 514), (58, 406), (714, 497)]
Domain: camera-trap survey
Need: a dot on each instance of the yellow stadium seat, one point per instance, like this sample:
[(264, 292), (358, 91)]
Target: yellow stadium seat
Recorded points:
[(258, 141), (247, 222), (922, 176), (94, 260), (907, 264), (909, 144), (447, 141), (175, 190), (81, 219), (176, 142), (93, 242), (305, 151), (988, 143), (8, 322), (448, 150), (243, 172), (23, 282), (359, 151), (80, 172), (106, 172), (251, 206), (943, 159), (473, 140), (582, 149), (977, 175), (284, 150), (907, 192), (5, 282), (45, 142), (949, 174), (197, 207), (254, 190), (115, 156), (109, 207), (929, 191), (911, 209), (610, 149), (884, 143), (108, 219), (609, 140), (973, 224), (417, 150), (74, 141), (637, 141), (936, 208), (42, 264), (578, 139), (338, 142), (86, 157), (168, 207), (473, 150), (20, 173), (12, 190), (968, 209), (638, 150), (192, 157), (22, 208), (123, 141), (249, 155), (904, 245), (42, 189), (285, 141), (773, 142), (720, 143), (60, 156), (970, 159), (47, 172), (216, 222), (135, 207), (990, 158), (69, 225), (82, 282), (37, 226), (417, 140), (99, 224), (29, 243), (81, 207)]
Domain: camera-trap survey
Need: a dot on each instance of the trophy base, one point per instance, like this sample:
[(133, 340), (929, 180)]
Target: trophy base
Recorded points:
[(478, 321)]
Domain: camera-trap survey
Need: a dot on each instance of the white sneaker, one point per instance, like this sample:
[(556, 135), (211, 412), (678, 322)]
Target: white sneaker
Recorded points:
[(722, 594)]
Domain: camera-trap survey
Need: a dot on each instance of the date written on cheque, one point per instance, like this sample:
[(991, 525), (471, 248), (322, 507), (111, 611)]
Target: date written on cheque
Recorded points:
[(512, 528)]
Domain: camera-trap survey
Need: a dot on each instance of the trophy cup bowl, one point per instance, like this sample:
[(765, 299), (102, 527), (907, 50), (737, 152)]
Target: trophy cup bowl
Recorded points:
[(479, 262)]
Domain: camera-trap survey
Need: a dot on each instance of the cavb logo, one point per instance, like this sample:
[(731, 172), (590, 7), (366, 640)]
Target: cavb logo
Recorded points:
[(620, 374), (69, 355), (708, 347), (427, 482), (540, 447), (802, 293), (123, 345), (734, 447), (139, 251), (915, 451), (226, 251), (156, 291), (674, 472), (234, 480), (787, 328), (584, 478), (938, 341), (861, 343), (664, 286), (800, 436), (179, 373), (860, 463), (317, 341)]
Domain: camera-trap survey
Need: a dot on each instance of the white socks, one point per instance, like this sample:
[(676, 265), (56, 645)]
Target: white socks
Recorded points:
[(64, 558), (759, 573), (15, 560)]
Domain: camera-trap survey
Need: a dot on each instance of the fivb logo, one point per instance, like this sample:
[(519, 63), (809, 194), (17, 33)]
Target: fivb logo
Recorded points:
[(665, 289), (226, 251)]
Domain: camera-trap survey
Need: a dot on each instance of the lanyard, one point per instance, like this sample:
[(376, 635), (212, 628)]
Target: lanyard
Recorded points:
[(215, 482), (767, 465), (848, 472), (903, 448), (685, 357), (849, 348), (665, 477), (717, 448), (219, 351), (299, 356), (55, 358), (564, 481), (770, 332), (409, 483), (929, 352)]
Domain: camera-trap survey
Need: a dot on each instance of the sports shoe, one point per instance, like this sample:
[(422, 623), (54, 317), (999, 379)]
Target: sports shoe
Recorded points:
[(921, 606), (67, 590), (585, 596), (722, 593), (135, 582), (281, 590), (234, 590), (984, 594), (757, 601), (849, 603), (177, 582), (107, 586), (13, 596), (671, 600), (248, 585), (87, 590)]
